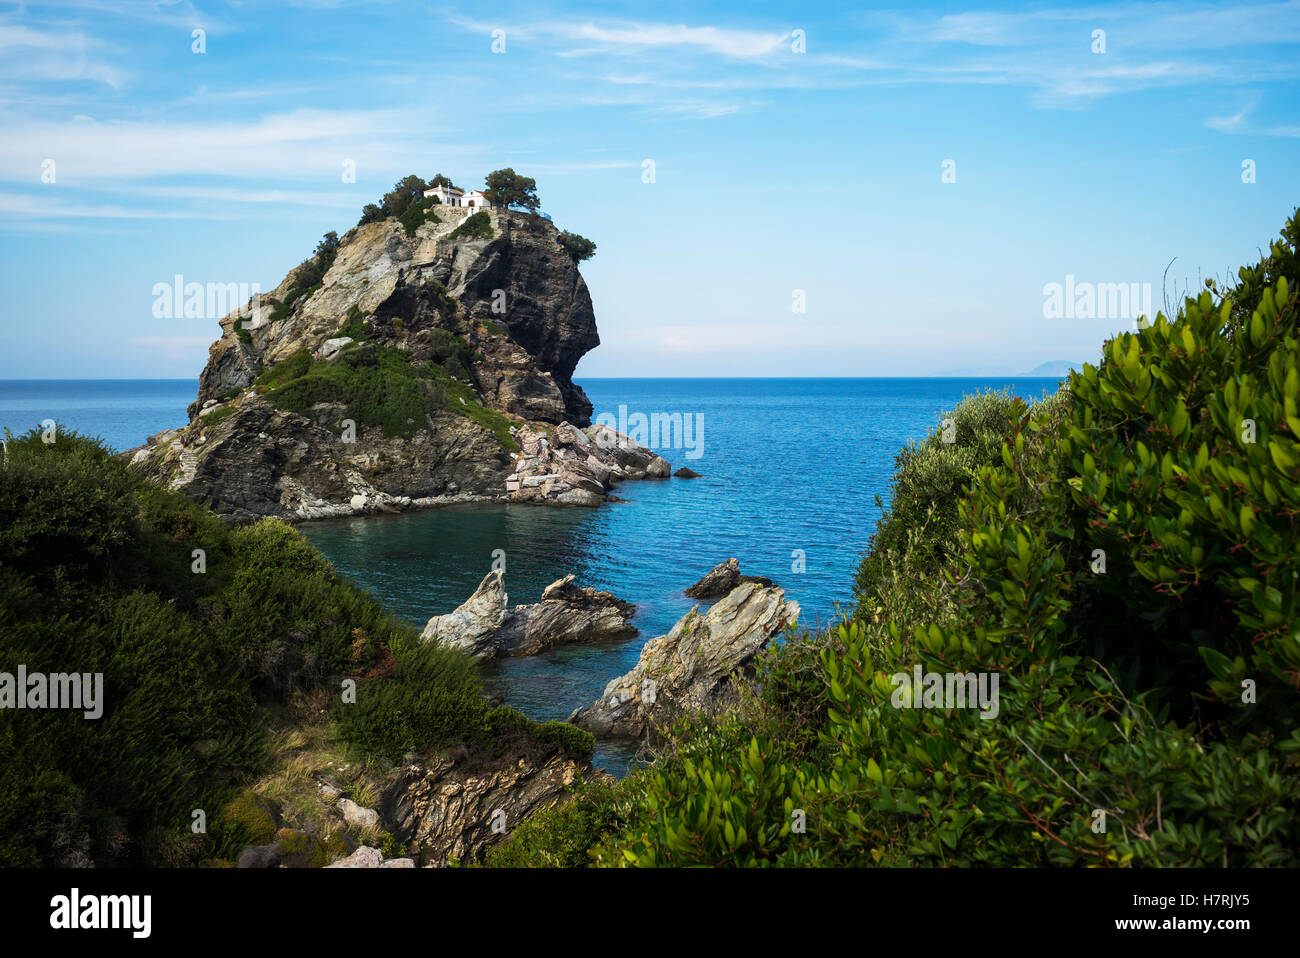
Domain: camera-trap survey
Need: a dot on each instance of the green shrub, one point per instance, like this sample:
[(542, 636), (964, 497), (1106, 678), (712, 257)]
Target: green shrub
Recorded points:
[(477, 226), (579, 247), (435, 700), (565, 835), (378, 385), (419, 212), (355, 326), (919, 531), (219, 415)]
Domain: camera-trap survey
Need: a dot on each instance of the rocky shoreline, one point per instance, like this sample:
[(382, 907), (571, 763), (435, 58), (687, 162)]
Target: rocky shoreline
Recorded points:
[(444, 809)]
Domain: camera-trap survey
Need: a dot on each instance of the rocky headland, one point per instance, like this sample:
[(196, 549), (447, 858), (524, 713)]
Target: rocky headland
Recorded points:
[(403, 367)]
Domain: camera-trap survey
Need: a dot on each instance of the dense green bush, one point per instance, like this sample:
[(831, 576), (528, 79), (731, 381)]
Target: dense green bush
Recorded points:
[(579, 247), (406, 202), (94, 579), (919, 532), (435, 699), (1125, 564), (565, 835), (419, 212), (477, 226), (378, 384)]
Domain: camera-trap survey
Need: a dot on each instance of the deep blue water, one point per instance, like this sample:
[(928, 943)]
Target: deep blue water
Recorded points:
[(787, 465), (124, 412)]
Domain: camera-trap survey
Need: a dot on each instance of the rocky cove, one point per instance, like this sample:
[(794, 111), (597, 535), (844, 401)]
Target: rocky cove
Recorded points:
[(377, 379), (442, 808), (401, 369)]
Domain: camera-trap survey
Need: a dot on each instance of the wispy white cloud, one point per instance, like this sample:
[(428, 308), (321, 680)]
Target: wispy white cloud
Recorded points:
[(26, 205), (1229, 124), (738, 44), (305, 145), (33, 55)]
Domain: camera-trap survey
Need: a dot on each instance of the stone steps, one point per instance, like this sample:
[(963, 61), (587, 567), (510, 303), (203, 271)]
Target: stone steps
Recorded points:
[(189, 466)]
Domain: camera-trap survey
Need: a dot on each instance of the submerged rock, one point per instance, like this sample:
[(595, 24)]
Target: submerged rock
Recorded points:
[(721, 579), (484, 627), (689, 669)]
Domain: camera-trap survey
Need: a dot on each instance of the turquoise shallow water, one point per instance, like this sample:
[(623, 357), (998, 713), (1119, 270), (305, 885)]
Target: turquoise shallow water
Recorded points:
[(787, 465)]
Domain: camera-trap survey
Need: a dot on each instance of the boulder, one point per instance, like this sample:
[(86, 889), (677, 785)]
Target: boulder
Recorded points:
[(332, 347), (363, 857), (259, 856), (721, 579), (684, 473), (689, 669), (356, 815), (484, 626), (414, 293)]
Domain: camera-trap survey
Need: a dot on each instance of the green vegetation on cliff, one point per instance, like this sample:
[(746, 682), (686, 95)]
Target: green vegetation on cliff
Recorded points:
[(579, 247), (476, 226), (202, 633), (379, 386), (1121, 556)]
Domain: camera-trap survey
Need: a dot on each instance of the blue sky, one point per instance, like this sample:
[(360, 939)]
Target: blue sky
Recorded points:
[(775, 170)]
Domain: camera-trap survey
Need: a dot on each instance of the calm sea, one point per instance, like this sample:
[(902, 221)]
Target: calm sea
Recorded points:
[(791, 469)]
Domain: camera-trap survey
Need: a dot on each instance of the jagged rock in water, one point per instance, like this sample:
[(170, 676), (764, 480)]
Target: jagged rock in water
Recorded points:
[(634, 460), (684, 473), (441, 811), (567, 466), (721, 579), (688, 669), (485, 628)]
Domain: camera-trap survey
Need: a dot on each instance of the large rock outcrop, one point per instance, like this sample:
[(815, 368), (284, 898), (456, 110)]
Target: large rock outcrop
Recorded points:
[(484, 627), (689, 669), (485, 332), (440, 810), (577, 467)]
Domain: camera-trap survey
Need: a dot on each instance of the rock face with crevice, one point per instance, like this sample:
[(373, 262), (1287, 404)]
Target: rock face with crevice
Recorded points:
[(494, 325), (484, 627), (690, 668), (441, 810)]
